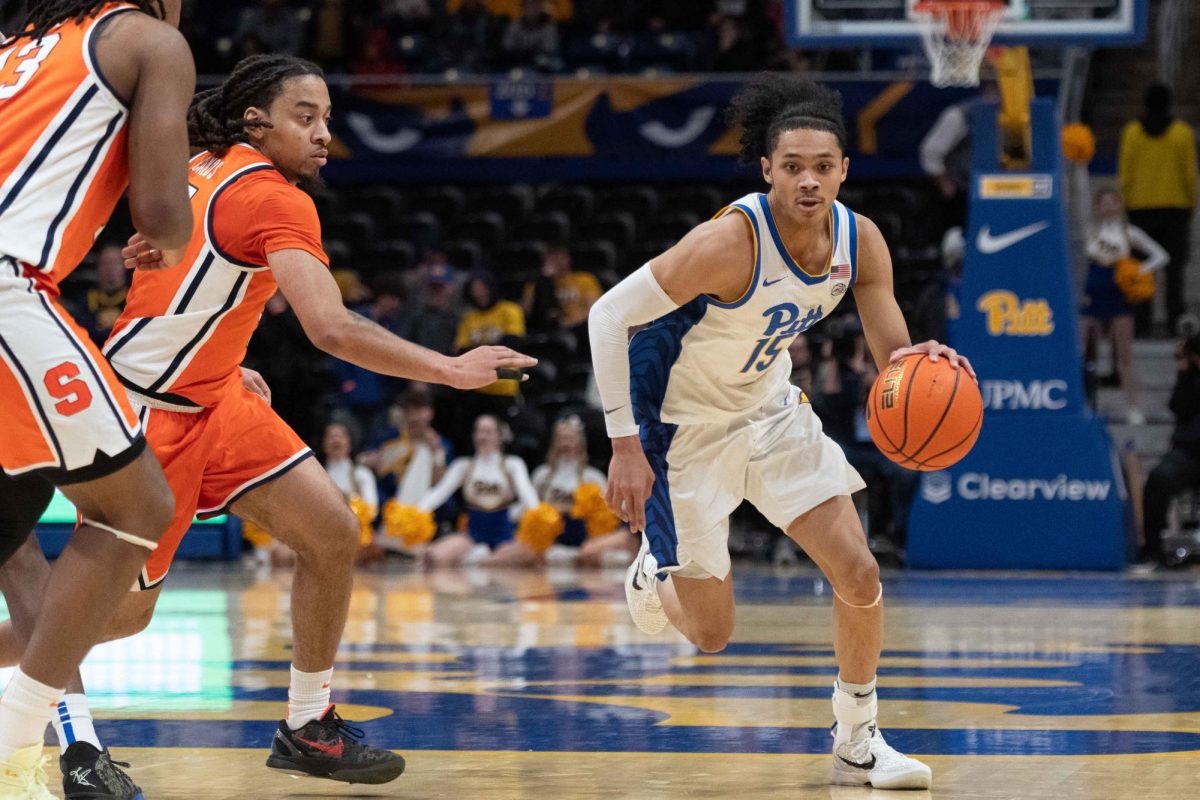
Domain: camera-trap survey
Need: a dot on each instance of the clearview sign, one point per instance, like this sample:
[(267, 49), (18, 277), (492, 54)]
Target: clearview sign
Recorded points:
[(1040, 490)]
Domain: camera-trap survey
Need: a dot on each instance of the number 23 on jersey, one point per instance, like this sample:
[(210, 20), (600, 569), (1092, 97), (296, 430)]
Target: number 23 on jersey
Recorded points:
[(18, 64)]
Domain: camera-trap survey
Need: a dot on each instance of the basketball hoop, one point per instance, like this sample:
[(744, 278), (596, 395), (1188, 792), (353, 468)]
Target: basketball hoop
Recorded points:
[(956, 34)]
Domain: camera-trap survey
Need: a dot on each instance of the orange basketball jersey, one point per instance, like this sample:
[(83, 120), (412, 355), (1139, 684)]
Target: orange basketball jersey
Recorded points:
[(184, 331), (63, 162)]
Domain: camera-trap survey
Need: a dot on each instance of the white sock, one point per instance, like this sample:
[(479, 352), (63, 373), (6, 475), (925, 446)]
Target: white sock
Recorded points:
[(860, 691), (73, 723), (25, 709), (308, 697)]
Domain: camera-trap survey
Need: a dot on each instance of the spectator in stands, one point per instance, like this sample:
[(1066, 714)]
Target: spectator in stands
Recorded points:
[(332, 39), (937, 301), (274, 24), (837, 383), (730, 48), (410, 460), (1112, 239), (363, 392), (1179, 469), (106, 299), (487, 320), (435, 322), (945, 155), (469, 36), (560, 298), (1157, 172), (496, 491), (531, 40)]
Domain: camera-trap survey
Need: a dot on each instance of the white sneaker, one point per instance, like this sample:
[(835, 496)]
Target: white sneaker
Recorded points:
[(868, 759), (641, 592), (23, 776)]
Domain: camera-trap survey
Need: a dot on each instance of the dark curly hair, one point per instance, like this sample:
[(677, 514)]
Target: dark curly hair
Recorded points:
[(215, 118), (40, 17), (774, 103)]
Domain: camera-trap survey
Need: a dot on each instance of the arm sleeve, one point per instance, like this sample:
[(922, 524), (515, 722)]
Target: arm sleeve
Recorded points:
[(526, 496), (448, 485), (1156, 256), (634, 301)]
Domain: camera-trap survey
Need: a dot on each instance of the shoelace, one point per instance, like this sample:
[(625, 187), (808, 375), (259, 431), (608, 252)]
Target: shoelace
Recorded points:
[(339, 726), (125, 780), (37, 775)]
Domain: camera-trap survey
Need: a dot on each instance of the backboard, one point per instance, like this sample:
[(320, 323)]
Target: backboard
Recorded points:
[(889, 23)]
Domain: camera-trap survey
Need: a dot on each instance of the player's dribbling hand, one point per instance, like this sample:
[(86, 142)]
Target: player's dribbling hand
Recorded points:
[(630, 480), (935, 350), (483, 366), (254, 382)]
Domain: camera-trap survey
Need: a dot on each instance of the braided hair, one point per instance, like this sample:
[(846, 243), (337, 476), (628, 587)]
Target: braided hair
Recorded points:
[(216, 117), (43, 15), (774, 103)]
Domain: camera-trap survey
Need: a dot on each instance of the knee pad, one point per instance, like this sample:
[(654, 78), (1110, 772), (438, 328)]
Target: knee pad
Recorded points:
[(23, 500)]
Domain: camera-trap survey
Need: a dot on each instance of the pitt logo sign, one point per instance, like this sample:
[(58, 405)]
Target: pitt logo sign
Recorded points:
[(891, 385), (1008, 315)]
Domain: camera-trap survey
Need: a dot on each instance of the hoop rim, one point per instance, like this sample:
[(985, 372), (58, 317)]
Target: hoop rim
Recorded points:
[(934, 7)]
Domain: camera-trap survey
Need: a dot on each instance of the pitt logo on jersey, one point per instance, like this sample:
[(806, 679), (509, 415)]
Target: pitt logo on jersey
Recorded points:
[(784, 322)]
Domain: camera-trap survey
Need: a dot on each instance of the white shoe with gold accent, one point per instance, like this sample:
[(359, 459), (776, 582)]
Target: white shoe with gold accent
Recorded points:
[(23, 776)]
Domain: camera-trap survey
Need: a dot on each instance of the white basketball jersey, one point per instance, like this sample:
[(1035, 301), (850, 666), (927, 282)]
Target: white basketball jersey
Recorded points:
[(709, 361)]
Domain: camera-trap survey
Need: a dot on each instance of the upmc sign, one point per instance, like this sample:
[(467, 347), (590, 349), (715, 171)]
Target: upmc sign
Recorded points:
[(1039, 490), (1035, 395)]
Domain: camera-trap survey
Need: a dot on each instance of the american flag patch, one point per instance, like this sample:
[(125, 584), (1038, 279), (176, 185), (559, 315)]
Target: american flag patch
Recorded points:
[(840, 272)]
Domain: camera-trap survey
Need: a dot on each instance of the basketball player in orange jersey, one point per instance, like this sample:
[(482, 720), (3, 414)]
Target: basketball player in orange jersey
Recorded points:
[(92, 100), (176, 349), (702, 415)]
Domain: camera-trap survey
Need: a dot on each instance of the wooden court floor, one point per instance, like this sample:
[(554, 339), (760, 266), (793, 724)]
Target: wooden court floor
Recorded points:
[(536, 685)]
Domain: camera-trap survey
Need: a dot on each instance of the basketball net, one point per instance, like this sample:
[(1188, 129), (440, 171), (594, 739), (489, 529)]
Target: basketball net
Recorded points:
[(956, 34)]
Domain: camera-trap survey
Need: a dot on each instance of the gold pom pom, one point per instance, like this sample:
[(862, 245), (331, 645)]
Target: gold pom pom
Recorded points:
[(364, 514), (1136, 285), (590, 507), (1078, 143), (256, 536), (408, 523), (540, 526)]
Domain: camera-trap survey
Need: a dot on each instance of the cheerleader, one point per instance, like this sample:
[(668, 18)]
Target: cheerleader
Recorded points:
[(496, 491), (1111, 239), (557, 482)]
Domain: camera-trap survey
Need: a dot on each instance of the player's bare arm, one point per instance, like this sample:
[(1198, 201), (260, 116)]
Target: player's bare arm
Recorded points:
[(714, 258), (883, 323), (132, 53), (333, 328)]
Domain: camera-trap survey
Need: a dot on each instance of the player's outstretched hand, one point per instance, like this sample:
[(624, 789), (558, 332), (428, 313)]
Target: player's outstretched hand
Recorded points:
[(138, 254), (630, 480), (254, 382), (485, 365), (935, 350)]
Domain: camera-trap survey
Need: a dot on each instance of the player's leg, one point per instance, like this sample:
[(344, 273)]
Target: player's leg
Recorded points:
[(702, 609), (25, 570), (513, 555), (305, 511)]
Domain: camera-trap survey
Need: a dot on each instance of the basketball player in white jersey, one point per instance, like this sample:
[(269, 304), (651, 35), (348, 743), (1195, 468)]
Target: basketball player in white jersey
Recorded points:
[(702, 416)]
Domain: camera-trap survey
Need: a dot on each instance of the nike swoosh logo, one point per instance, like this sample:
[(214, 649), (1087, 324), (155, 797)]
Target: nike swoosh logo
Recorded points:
[(614, 410), (767, 283), (331, 750), (989, 244), (866, 765)]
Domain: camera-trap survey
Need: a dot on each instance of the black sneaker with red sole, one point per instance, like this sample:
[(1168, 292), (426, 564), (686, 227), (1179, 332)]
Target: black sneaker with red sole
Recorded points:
[(330, 748)]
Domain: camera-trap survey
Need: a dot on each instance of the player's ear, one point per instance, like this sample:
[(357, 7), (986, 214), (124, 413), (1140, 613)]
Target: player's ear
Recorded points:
[(255, 120), (845, 167), (766, 169)]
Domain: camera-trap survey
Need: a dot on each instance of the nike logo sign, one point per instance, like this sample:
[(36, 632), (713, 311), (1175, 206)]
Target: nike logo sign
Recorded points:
[(989, 244), (331, 750), (614, 410), (767, 283), (866, 765)]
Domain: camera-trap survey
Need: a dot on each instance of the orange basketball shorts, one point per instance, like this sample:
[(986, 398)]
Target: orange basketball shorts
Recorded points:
[(212, 458), (65, 414)]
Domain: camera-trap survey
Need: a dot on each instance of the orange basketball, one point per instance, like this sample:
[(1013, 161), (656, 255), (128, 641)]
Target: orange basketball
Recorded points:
[(924, 415)]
